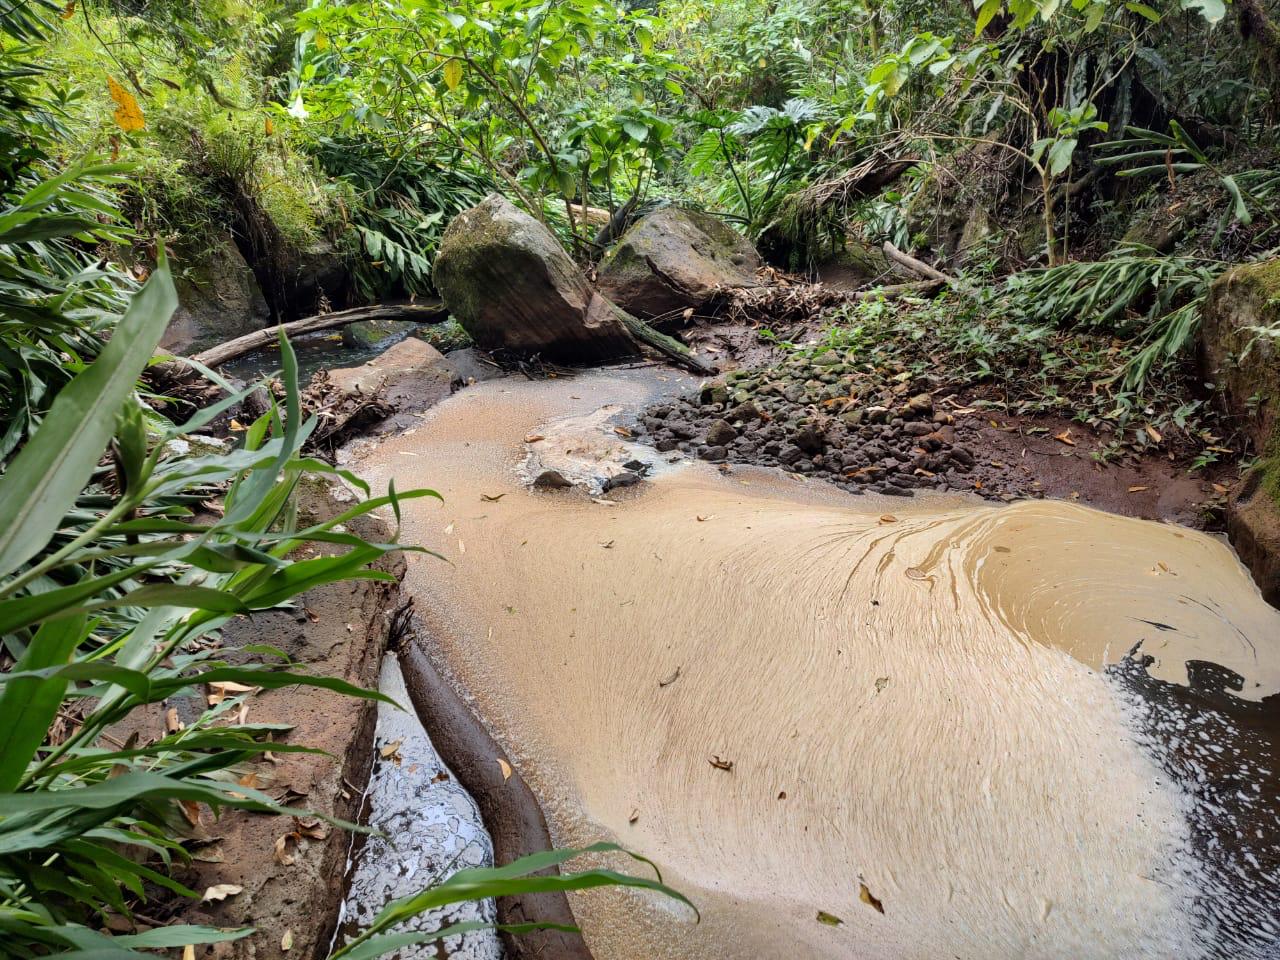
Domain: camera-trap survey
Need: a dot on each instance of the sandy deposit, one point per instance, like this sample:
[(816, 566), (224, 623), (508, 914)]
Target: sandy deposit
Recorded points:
[(909, 694)]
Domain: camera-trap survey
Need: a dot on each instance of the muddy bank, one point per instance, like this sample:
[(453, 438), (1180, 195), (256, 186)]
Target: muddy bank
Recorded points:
[(788, 697)]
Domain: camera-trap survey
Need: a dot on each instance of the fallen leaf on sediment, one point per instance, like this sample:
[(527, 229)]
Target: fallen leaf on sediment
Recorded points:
[(220, 891), (881, 683), (622, 431), (286, 942), (534, 438), (1153, 433), (607, 544), (492, 497), (1065, 437), (869, 898), (888, 518), (389, 750), (281, 853), (635, 815), (782, 794), (720, 763), (671, 679), (1220, 488), (701, 519), (219, 689), (505, 768), (440, 777), (830, 919), (915, 573), (1138, 488)]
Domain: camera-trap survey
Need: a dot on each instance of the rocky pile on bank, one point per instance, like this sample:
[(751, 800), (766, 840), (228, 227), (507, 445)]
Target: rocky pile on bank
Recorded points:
[(826, 417)]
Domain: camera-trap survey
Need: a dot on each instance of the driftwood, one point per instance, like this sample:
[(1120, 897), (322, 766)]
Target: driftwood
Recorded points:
[(918, 267), (421, 312), (669, 347)]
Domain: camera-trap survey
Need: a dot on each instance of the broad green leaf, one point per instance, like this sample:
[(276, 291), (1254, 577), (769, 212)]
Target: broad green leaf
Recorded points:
[(43, 480), (28, 706)]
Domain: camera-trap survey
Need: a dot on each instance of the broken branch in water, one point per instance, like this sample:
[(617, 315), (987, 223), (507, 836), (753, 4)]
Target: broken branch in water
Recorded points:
[(421, 312)]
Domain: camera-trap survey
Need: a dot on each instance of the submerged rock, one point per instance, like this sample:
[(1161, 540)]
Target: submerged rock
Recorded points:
[(674, 259), (510, 284)]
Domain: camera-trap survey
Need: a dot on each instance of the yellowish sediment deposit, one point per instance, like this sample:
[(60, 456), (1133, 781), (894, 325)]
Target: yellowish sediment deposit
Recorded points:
[(796, 701)]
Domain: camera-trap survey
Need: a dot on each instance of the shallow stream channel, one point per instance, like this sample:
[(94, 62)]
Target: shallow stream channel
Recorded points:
[(843, 726)]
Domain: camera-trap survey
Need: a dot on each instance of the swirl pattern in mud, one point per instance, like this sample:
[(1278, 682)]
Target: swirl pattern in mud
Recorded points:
[(850, 728)]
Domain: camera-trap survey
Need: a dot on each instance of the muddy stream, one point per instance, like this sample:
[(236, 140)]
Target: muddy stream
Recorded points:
[(844, 726)]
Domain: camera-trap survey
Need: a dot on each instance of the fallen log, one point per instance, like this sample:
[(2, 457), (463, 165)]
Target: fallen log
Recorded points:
[(420, 312), (669, 347), (918, 267)]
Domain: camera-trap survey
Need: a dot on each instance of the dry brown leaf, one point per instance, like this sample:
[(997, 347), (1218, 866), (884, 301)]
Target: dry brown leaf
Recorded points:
[(440, 777), (1138, 488), (191, 810), (782, 794), (915, 573), (720, 763), (171, 722), (1153, 433), (622, 431), (281, 853), (870, 899), (127, 115), (220, 891), (888, 518), (534, 438), (492, 497), (1220, 488), (505, 768), (635, 815), (286, 942), (1065, 437), (702, 519), (390, 750), (675, 675)]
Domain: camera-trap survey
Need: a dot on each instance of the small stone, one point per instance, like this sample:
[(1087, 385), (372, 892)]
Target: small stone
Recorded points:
[(665, 445), (810, 440), (626, 478), (720, 433), (551, 479), (714, 393), (714, 453), (917, 428), (921, 405), (878, 414)]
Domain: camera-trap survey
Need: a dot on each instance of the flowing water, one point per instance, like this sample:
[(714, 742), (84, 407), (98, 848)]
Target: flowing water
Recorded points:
[(848, 727)]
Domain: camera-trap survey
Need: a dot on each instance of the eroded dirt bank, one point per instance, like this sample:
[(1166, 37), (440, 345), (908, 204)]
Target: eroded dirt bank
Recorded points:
[(802, 704)]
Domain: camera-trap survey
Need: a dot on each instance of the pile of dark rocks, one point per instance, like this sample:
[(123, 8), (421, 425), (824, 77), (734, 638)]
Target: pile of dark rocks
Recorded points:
[(828, 417)]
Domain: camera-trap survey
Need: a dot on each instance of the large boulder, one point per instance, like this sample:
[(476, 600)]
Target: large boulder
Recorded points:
[(1245, 367), (510, 284), (218, 298), (673, 259)]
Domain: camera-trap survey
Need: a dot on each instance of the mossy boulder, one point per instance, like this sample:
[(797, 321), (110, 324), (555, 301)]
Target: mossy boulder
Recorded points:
[(673, 259), (510, 284), (1245, 367), (218, 298)]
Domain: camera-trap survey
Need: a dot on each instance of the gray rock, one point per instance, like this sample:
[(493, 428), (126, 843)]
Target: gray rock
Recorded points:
[(720, 433), (674, 259), (551, 479), (510, 284)]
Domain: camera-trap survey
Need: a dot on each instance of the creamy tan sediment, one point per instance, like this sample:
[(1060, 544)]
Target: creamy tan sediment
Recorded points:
[(909, 694)]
